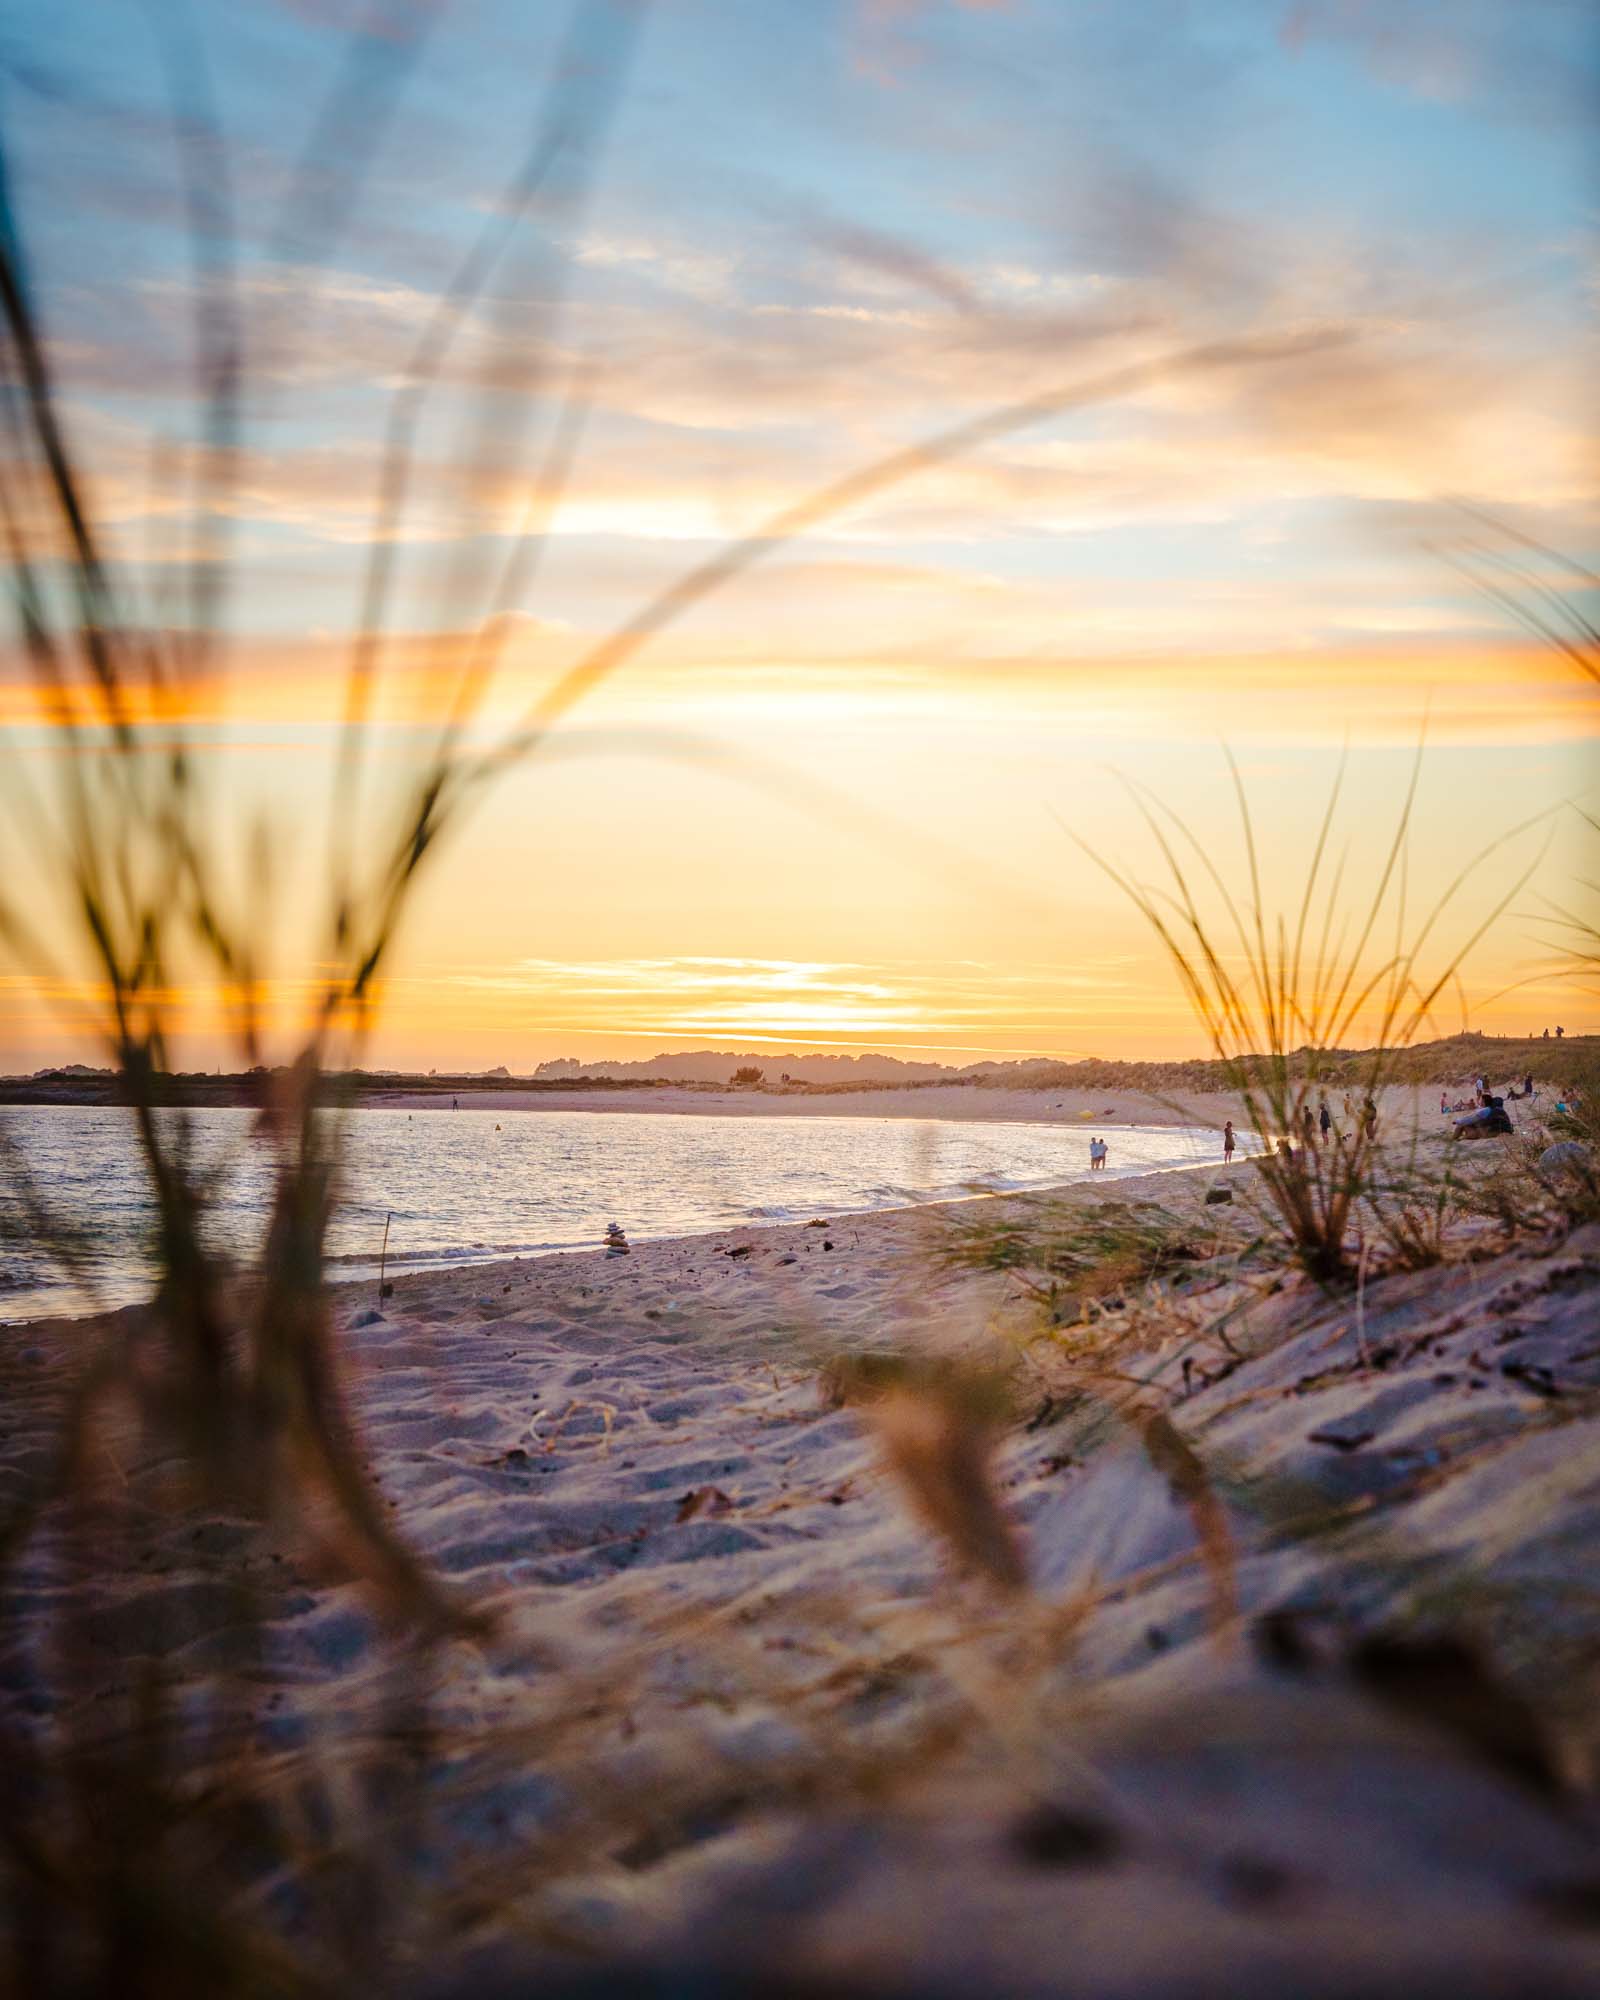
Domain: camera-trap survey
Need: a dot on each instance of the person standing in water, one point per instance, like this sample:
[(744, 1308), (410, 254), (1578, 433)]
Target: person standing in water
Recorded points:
[(1228, 1141)]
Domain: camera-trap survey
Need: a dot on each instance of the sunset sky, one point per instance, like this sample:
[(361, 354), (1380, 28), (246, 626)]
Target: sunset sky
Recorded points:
[(1315, 282)]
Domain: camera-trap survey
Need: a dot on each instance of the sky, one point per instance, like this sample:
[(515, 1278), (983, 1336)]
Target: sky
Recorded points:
[(1237, 340)]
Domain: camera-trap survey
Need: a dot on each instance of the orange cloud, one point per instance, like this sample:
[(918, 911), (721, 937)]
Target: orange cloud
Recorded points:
[(1464, 689)]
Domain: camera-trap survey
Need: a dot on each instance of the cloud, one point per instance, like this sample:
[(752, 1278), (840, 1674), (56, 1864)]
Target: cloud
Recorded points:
[(1506, 60), (922, 1004), (885, 38), (887, 255)]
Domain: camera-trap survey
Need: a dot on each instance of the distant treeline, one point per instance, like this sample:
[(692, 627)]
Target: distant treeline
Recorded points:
[(1444, 1062), (252, 1087), (1451, 1061)]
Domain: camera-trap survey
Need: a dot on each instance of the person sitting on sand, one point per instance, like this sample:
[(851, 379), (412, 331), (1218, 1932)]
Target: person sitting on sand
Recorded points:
[(1228, 1141)]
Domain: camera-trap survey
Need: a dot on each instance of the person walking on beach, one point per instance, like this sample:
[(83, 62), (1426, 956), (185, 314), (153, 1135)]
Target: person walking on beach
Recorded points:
[(1325, 1120), (1227, 1141), (1308, 1125), (1369, 1119)]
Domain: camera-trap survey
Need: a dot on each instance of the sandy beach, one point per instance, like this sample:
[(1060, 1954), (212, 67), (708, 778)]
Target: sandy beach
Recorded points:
[(1029, 1107), (957, 1101), (734, 1670)]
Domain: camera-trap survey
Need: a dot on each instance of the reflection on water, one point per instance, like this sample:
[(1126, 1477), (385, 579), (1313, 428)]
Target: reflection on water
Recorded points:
[(471, 1185)]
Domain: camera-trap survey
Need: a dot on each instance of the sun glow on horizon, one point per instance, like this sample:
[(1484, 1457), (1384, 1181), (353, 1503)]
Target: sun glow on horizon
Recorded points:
[(1245, 426)]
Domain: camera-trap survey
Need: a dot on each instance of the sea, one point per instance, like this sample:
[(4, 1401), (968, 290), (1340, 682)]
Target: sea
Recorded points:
[(463, 1187)]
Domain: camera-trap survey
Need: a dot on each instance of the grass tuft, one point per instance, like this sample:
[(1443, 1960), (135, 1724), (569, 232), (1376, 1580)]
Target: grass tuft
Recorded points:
[(1279, 995)]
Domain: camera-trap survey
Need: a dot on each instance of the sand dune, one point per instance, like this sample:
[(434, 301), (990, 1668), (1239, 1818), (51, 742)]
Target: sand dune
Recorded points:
[(715, 1605)]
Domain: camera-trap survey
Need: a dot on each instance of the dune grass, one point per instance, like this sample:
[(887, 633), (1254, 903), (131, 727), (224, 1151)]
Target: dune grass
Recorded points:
[(1279, 995)]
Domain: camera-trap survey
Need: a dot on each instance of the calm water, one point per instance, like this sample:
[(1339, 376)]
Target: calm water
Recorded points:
[(468, 1186)]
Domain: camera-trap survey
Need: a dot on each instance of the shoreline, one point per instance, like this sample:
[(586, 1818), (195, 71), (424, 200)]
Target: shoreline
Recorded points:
[(442, 1264), (956, 1103), (1099, 1184), (1400, 1105), (1403, 1108), (998, 1104)]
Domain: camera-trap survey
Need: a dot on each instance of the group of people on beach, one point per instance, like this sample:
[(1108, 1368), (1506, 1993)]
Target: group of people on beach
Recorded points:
[(1319, 1126), (1484, 1096), (1097, 1154)]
